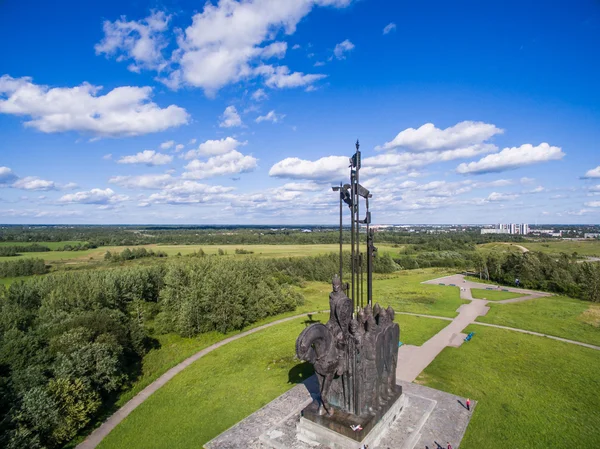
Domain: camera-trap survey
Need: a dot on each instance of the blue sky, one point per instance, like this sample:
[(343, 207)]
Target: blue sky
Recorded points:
[(180, 112)]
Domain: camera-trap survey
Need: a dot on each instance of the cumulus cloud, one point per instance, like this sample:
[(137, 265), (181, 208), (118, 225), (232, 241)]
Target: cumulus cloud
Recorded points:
[(7, 176), (94, 196), (147, 157), (141, 41), (342, 49), (281, 77), (512, 158), (593, 173), (330, 168), (225, 164), (430, 138), (166, 145), (214, 148), (124, 111), (179, 147), (225, 43), (142, 181), (495, 197), (270, 117), (34, 183), (259, 95), (230, 118), (389, 28)]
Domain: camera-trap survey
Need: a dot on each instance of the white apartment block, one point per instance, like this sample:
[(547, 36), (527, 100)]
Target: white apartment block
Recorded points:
[(511, 228)]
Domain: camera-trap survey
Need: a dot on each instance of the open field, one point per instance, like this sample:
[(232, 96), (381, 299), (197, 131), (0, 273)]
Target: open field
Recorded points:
[(582, 248), (405, 293), (227, 385), (554, 315), (533, 392), (52, 245), (97, 254), (494, 295)]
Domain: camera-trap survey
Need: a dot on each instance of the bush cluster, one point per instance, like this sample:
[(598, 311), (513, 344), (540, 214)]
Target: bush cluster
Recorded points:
[(130, 254), (22, 267)]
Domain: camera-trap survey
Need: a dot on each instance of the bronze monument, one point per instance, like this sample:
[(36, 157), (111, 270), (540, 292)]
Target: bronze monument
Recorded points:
[(356, 352)]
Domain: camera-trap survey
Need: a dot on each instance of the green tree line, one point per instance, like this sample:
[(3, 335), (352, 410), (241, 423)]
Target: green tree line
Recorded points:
[(22, 267)]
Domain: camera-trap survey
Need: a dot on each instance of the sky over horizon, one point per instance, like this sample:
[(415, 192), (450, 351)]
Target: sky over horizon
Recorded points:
[(245, 112)]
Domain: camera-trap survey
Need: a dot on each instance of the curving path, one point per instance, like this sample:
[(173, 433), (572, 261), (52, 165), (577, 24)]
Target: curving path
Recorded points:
[(107, 426), (412, 360)]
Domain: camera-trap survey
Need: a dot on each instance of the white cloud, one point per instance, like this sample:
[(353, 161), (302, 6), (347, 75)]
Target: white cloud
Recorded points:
[(342, 48), (192, 141), (495, 197), (593, 204), (595, 188), (166, 145), (512, 158), (593, 173), (142, 181), (330, 168), (142, 41), (225, 164), (270, 117), (7, 176), (94, 196), (296, 47), (389, 28), (147, 157), (179, 147), (259, 95), (107, 157), (34, 183), (124, 111), (29, 213), (319, 64), (430, 138), (227, 41), (281, 78), (230, 118), (302, 186), (214, 148), (526, 180)]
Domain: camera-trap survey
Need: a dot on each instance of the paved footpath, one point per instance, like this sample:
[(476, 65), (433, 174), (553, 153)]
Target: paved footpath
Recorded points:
[(101, 432), (412, 360)]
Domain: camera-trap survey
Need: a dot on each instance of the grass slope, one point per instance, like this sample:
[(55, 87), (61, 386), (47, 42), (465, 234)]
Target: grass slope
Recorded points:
[(227, 385), (555, 315), (494, 295), (533, 392), (405, 293)]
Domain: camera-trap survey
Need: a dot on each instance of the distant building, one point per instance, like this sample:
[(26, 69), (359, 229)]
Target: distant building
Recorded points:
[(591, 235), (511, 229)]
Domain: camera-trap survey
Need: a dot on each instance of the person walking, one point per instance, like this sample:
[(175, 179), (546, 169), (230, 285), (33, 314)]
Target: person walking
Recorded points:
[(449, 445), (468, 404)]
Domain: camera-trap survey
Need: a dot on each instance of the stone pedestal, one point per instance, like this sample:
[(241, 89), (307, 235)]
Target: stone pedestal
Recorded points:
[(427, 417), (335, 432)]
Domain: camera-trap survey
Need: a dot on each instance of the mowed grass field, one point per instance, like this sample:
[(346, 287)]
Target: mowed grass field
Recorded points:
[(532, 392), (405, 293), (554, 315), (229, 384), (494, 295), (97, 254)]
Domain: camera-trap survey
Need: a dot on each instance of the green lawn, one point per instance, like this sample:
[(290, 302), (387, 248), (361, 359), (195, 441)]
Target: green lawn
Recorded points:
[(494, 295), (405, 293), (532, 392), (227, 385), (555, 315)]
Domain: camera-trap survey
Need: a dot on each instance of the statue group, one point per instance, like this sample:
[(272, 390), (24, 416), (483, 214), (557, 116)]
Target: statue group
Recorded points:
[(354, 358)]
